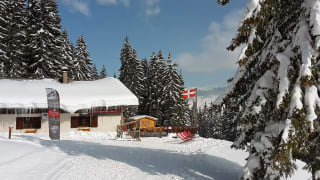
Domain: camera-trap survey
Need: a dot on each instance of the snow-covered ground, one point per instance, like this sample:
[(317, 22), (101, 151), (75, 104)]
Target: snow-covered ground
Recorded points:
[(84, 155)]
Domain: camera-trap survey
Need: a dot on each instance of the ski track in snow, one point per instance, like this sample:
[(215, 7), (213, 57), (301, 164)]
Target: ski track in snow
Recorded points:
[(83, 157)]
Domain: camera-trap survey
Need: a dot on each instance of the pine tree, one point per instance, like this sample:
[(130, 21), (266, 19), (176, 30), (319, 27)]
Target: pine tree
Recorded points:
[(12, 37), (203, 121), (82, 61), (44, 50), (68, 55), (125, 56), (136, 72), (174, 107), (2, 74), (157, 68), (144, 105), (4, 22), (95, 74), (131, 72), (211, 122), (274, 93), (103, 73)]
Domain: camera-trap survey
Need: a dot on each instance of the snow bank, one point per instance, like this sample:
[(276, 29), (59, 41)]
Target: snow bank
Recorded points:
[(73, 96)]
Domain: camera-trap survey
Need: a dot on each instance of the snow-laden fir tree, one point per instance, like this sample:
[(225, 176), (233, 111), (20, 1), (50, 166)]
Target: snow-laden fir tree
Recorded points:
[(83, 63), (2, 74), (95, 74), (12, 36), (174, 107), (275, 90), (14, 39), (145, 105), (103, 72), (44, 42), (210, 122), (4, 23), (67, 54), (125, 56), (131, 73), (136, 72), (157, 68)]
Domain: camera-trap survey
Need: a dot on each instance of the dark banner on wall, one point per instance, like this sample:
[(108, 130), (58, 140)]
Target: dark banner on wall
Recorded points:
[(53, 113)]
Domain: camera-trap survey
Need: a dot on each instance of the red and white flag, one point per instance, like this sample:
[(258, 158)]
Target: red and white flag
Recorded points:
[(189, 93)]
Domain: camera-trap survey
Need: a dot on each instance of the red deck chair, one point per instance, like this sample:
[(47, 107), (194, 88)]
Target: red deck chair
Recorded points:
[(184, 136)]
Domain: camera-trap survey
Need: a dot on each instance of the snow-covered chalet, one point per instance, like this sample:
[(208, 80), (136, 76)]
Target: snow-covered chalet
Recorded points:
[(84, 105)]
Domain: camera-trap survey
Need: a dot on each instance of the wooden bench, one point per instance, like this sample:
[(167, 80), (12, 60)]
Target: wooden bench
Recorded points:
[(30, 131)]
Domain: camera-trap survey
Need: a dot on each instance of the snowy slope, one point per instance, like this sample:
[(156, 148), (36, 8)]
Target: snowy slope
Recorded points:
[(99, 156)]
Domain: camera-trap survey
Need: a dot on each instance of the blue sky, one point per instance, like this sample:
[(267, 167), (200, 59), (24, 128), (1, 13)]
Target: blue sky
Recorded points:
[(195, 32)]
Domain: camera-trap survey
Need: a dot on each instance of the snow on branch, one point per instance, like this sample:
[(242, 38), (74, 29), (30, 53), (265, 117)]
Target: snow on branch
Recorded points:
[(259, 91), (283, 75)]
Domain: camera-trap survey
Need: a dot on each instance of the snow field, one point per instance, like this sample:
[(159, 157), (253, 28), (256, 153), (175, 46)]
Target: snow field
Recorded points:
[(92, 155)]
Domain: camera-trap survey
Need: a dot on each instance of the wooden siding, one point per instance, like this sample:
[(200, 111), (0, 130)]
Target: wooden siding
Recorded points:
[(147, 122)]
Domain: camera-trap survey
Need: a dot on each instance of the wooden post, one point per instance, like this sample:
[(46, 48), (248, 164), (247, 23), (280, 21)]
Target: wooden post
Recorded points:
[(122, 122), (10, 127), (138, 128)]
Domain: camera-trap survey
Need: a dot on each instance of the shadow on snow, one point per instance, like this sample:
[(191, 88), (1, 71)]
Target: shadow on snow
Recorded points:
[(152, 161)]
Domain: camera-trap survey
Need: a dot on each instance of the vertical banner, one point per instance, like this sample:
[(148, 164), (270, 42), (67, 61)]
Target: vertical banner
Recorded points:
[(53, 113)]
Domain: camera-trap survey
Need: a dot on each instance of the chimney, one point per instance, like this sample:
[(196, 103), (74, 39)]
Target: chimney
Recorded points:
[(65, 75)]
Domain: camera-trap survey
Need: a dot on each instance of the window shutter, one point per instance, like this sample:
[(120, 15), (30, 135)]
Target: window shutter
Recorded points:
[(37, 122), (74, 121), (94, 121), (19, 123)]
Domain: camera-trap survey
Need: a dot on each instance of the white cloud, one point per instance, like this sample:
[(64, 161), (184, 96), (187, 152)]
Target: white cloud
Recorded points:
[(77, 5), (107, 2), (152, 7), (214, 56), (126, 3)]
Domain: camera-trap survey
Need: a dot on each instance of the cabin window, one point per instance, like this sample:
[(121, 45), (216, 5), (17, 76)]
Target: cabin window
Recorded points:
[(148, 123), (28, 123), (142, 122), (84, 121)]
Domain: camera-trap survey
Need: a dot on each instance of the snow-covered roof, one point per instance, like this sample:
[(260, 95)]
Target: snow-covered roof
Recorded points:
[(142, 116), (73, 96)]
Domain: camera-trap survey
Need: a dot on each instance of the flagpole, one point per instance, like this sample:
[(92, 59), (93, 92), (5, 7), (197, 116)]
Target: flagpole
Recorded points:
[(197, 120)]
